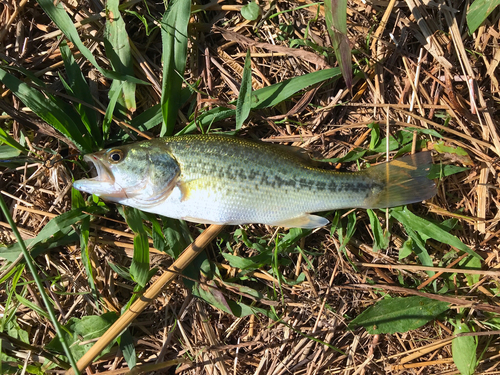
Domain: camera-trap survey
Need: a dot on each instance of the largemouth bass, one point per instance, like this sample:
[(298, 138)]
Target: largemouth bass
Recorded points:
[(218, 179)]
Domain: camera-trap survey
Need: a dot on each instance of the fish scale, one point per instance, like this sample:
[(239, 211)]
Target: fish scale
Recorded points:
[(275, 177), (228, 180)]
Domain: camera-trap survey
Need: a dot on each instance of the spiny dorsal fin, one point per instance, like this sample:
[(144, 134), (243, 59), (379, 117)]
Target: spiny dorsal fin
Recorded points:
[(298, 152)]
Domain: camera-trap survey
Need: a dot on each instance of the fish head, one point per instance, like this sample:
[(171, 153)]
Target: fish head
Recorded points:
[(139, 175)]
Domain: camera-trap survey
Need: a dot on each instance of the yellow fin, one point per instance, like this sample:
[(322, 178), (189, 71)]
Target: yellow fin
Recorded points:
[(305, 221), (403, 181), (200, 221)]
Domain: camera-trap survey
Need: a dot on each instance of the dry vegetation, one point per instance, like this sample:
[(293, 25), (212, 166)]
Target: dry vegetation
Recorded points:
[(422, 81)]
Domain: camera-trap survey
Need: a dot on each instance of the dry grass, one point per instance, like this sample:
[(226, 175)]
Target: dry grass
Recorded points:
[(416, 83)]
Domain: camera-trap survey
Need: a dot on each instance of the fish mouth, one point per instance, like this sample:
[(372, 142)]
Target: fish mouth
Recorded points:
[(98, 171), (102, 183)]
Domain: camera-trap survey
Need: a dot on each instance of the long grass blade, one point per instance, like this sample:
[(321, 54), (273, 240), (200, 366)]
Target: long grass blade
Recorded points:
[(119, 53), (336, 21), (39, 284), (244, 103), (139, 269), (174, 35), (56, 12), (60, 225), (7, 139), (52, 110), (430, 230), (266, 97), (78, 87), (113, 94), (479, 11), (78, 202)]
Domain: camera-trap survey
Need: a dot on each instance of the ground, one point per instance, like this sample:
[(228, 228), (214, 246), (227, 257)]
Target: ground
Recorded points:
[(259, 300)]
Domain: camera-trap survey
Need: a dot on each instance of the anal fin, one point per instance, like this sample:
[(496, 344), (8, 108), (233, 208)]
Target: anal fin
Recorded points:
[(201, 221), (305, 221)]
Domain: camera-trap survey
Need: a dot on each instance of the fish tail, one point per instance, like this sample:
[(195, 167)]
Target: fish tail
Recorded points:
[(404, 181)]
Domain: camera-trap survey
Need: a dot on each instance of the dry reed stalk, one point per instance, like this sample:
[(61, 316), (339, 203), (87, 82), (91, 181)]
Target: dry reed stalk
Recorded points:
[(427, 37)]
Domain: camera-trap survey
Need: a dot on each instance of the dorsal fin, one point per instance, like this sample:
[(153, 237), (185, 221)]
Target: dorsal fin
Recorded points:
[(298, 152)]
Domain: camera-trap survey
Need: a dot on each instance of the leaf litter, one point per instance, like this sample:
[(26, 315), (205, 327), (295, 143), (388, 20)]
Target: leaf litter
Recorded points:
[(262, 300)]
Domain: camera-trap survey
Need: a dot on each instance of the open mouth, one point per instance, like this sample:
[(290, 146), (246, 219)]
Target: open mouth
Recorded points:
[(102, 182), (98, 171), (93, 173)]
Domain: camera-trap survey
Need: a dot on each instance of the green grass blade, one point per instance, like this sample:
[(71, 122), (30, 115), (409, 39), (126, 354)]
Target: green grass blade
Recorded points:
[(148, 119), (464, 349), (430, 230), (418, 247), (139, 269), (64, 237), (406, 249), (471, 263), (32, 306), (380, 236), (39, 284), (7, 139), (114, 93), (60, 223), (81, 334), (266, 97), (349, 231), (270, 96), (207, 118), (56, 12), (400, 314), (151, 117), (244, 103), (10, 290), (78, 87), (336, 22), (174, 34), (148, 28), (18, 268), (9, 157), (85, 252), (171, 236), (52, 110), (479, 11), (119, 53), (126, 342), (58, 227), (77, 201)]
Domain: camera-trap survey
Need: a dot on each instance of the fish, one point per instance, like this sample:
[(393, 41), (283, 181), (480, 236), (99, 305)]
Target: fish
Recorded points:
[(218, 179)]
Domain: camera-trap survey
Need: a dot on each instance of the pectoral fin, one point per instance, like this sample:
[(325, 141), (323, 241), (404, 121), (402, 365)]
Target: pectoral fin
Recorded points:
[(305, 221)]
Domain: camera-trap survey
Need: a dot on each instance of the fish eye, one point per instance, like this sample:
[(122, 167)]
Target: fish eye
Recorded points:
[(115, 156)]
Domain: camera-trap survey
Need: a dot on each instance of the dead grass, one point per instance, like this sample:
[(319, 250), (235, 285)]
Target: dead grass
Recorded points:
[(422, 79)]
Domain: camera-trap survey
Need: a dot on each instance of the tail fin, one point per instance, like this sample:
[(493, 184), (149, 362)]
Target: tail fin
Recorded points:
[(405, 181)]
